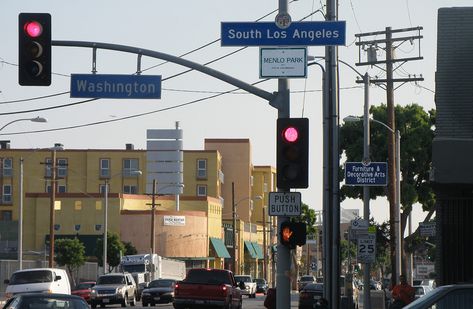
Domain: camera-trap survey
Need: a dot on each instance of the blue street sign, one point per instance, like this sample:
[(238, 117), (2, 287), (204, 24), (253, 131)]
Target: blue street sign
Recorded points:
[(114, 86), (373, 174), (306, 33)]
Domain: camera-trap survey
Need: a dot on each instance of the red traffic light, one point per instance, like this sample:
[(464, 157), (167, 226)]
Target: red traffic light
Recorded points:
[(33, 29), (291, 134)]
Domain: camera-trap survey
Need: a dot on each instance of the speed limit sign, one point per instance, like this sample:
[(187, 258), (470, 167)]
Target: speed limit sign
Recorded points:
[(366, 249)]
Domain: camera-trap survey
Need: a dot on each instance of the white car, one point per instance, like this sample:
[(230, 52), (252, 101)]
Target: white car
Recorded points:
[(250, 286)]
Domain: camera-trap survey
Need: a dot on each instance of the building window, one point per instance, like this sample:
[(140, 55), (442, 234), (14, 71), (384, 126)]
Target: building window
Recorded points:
[(6, 215), (105, 168), (6, 194), (130, 166), (78, 205), (7, 167), (60, 189), (201, 190), (129, 189), (201, 168), (102, 188), (61, 167)]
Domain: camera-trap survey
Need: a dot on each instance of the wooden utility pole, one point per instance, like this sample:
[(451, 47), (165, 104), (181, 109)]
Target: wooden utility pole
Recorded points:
[(390, 44)]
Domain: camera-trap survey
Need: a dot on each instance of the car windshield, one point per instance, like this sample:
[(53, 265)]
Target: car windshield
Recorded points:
[(260, 281), (160, 283), (34, 276), (307, 278), (48, 302), (211, 276), (314, 287), (111, 280), (242, 279), (84, 286)]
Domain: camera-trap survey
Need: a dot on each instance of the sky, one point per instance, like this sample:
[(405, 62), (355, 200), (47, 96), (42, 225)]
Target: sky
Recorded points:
[(178, 27)]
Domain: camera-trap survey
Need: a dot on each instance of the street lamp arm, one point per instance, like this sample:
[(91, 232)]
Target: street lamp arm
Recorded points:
[(37, 119), (383, 124)]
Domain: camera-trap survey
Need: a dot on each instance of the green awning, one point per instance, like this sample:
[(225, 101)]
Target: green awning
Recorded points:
[(220, 248), (251, 250), (258, 250)]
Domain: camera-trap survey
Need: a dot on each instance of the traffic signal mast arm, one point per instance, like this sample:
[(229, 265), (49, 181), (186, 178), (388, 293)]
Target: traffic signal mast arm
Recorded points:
[(272, 98)]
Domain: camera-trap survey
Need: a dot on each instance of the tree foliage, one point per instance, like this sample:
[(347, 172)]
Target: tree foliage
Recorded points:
[(115, 249), (129, 248), (416, 129), (70, 253)]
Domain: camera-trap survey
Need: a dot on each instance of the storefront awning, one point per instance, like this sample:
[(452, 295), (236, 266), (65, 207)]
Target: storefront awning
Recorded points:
[(251, 250), (220, 248), (258, 250)]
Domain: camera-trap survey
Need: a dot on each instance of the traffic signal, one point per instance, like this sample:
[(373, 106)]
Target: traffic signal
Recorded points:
[(292, 162), (34, 49), (293, 234)]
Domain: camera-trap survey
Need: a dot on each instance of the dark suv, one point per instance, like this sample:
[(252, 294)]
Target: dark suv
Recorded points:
[(114, 288), (304, 280)]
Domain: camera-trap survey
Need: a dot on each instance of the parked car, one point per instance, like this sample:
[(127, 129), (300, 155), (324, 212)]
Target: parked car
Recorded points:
[(159, 291), (458, 296), (250, 286), (83, 289), (53, 280), (311, 295), (114, 288), (304, 280), (421, 290), (261, 285), (45, 300)]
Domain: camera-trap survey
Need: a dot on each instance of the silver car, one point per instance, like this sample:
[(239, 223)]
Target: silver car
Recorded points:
[(114, 288), (458, 296)]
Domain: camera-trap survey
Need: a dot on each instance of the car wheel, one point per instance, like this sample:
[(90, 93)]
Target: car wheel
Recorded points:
[(102, 305), (93, 305), (125, 301), (133, 301), (145, 304)]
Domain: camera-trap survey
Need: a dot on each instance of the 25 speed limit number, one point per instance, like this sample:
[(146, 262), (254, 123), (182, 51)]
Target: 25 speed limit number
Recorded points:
[(366, 250)]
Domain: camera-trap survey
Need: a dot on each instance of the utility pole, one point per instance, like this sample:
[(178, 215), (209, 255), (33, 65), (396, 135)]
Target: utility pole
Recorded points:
[(331, 200), (390, 44), (152, 245)]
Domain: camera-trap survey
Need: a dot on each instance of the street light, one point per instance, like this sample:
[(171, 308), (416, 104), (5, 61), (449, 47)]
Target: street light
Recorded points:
[(397, 212), (105, 219), (20, 218), (234, 205), (36, 119)]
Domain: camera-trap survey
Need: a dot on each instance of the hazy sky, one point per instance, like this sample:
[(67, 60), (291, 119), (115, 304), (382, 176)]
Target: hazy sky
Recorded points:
[(177, 27)]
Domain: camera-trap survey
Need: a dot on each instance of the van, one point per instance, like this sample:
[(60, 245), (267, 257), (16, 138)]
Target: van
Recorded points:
[(44, 280)]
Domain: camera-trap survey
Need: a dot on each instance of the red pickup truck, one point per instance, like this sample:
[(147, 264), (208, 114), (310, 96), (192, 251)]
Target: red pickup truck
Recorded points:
[(204, 287)]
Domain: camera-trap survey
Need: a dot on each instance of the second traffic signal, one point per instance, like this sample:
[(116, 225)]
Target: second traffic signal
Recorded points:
[(34, 49), (292, 162), (293, 234)]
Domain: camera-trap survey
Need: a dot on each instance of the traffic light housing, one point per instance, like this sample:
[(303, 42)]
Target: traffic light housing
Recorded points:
[(34, 49), (292, 162), (293, 234)]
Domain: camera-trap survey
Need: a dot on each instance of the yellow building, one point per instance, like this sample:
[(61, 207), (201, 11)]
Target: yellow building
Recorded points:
[(200, 232)]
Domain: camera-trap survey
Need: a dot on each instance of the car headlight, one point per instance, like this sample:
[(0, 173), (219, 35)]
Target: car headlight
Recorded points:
[(93, 292)]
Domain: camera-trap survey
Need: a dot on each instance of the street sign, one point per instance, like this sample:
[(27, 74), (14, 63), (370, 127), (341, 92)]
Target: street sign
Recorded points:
[(366, 248), (306, 33), (283, 62), (360, 174), (359, 224), (284, 203), (115, 86), (427, 229)]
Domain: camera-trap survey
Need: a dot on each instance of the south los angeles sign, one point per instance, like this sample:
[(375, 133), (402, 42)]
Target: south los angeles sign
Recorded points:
[(313, 33)]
